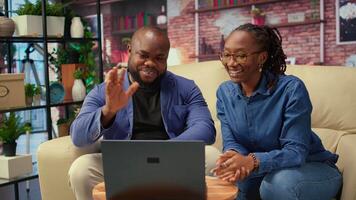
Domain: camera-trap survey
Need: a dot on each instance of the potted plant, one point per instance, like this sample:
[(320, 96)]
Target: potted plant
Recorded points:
[(63, 126), (64, 62), (29, 19), (64, 123), (75, 56), (258, 16), (29, 93), (37, 95), (78, 89), (87, 57), (10, 129), (61, 56)]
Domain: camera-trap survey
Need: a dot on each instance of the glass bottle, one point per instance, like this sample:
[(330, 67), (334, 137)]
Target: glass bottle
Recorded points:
[(162, 18)]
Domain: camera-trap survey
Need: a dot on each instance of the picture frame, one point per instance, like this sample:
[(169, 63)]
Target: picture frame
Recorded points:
[(345, 21)]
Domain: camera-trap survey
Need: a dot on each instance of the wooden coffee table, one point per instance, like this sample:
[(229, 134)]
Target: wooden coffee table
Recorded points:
[(217, 190)]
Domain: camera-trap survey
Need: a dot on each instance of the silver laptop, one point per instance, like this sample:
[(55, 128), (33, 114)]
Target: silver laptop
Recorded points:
[(154, 170)]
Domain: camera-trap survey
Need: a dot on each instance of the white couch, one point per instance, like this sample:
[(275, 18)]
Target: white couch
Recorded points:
[(333, 119)]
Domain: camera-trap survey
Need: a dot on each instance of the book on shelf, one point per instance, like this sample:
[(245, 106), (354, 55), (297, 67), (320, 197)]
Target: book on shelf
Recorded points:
[(140, 16), (218, 3), (145, 19), (136, 21), (133, 22), (127, 22)]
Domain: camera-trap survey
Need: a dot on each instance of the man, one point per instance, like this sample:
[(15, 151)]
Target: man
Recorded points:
[(147, 102)]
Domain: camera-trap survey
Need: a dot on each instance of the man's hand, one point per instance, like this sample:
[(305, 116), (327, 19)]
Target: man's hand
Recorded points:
[(232, 166), (115, 96)]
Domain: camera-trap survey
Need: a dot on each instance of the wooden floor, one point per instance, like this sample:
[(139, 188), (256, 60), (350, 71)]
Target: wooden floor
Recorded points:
[(7, 192)]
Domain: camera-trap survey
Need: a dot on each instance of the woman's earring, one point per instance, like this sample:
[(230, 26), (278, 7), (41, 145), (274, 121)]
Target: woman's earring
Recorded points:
[(260, 67)]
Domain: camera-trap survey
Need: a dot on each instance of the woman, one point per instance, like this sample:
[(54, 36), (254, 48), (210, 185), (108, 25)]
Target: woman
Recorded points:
[(269, 147)]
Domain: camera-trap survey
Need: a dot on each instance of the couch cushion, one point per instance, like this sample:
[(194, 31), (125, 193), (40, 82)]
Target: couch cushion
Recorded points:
[(208, 76), (58, 154), (331, 90), (346, 164), (329, 137)]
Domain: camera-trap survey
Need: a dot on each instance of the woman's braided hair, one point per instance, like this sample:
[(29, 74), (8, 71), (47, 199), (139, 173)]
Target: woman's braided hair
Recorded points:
[(270, 40)]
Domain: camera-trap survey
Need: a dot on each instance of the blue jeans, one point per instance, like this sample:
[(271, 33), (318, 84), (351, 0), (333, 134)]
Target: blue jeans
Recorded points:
[(313, 180)]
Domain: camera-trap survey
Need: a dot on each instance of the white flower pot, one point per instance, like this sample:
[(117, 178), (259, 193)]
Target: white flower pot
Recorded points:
[(76, 28), (31, 25), (78, 90), (37, 100)]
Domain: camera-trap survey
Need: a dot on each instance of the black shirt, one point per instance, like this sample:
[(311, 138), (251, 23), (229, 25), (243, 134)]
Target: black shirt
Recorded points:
[(147, 119)]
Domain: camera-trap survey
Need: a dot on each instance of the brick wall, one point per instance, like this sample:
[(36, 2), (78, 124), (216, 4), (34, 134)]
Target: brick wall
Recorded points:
[(301, 42), (334, 54), (181, 31), (109, 40)]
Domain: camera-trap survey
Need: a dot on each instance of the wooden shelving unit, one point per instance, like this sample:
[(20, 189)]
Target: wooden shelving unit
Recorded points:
[(240, 5), (49, 39), (130, 31), (290, 24), (128, 16), (45, 40), (14, 109), (281, 25), (247, 4)]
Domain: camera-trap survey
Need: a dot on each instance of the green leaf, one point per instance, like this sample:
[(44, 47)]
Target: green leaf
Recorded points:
[(11, 128), (52, 9), (30, 89)]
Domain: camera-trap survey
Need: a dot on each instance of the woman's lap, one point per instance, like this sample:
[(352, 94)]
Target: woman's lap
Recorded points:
[(311, 181)]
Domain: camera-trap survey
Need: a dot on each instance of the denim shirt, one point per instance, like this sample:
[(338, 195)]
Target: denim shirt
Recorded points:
[(275, 123), (184, 112)]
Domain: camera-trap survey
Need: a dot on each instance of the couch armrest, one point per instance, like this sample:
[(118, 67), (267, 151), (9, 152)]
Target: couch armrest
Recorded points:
[(347, 165), (54, 160)]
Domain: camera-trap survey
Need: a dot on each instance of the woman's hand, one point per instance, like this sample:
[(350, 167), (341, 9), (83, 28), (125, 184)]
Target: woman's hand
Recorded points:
[(232, 166)]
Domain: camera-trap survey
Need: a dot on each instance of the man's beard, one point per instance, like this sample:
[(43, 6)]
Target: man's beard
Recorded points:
[(136, 77)]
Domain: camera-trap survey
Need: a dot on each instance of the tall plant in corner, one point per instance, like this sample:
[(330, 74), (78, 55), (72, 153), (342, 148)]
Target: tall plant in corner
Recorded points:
[(11, 128)]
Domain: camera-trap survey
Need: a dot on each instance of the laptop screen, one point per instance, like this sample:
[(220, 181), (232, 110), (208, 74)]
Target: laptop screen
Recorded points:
[(147, 169)]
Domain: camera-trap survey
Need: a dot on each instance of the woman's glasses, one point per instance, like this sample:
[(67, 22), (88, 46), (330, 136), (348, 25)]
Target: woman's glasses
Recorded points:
[(239, 57)]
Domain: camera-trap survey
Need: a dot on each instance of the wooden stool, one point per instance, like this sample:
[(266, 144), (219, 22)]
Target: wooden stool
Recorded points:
[(217, 190)]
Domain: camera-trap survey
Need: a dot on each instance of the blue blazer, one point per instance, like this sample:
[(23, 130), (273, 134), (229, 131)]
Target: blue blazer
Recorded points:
[(184, 111)]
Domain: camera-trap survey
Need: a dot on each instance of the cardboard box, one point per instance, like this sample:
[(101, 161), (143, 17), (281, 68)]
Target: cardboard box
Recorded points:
[(12, 90), (15, 166)]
